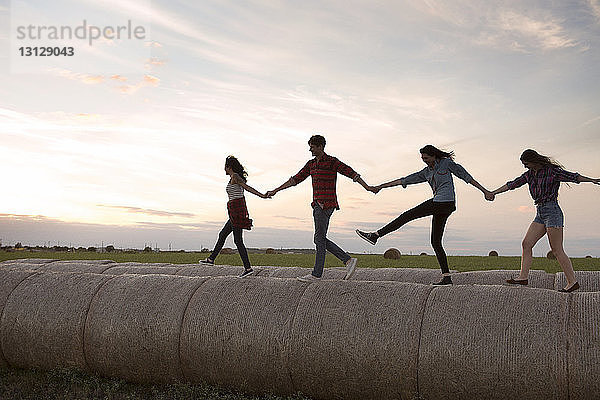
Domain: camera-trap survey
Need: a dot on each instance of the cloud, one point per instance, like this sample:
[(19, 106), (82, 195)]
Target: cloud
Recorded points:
[(77, 76), (119, 78), (595, 7), (148, 211), (525, 209), (154, 61), (147, 80)]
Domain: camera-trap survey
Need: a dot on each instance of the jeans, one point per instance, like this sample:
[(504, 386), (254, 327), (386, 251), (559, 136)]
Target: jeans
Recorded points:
[(440, 212), (238, 240), (322, 244), (550, 215)]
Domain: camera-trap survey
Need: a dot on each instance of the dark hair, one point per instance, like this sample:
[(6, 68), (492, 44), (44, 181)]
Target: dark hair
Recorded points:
[(237, 167), (437, 153), (317, 140), (533, 156)]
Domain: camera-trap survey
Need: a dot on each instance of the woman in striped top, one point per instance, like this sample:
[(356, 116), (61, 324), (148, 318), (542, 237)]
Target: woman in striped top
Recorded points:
[(238, 213), (544, 176)]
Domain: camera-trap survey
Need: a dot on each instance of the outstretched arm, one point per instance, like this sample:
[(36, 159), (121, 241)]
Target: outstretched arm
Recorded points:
[(501, 189), (395, 182), (290, 182), (582, 178), (366, 186), (240, 181), (488, 195)]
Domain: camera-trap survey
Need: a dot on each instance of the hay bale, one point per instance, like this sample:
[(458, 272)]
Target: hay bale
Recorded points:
[(588, 256), (20, 267), (294, 272), (493, 342), (537, 278), (270, 251), (133, 327), (423, 254), (143, 269), (392, 254), (550, 255), (493, 253), (236, 333), (29, 261), (589, 281), (209, 270), (583, 333), (413, 275), (228, 250), (357, 340), (43, 321), (76, 266), (9, 280), (98, 262)]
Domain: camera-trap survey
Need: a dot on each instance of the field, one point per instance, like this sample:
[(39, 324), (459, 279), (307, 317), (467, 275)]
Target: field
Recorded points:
[(70, 384)]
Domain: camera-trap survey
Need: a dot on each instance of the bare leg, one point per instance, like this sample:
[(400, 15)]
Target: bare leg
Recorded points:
[(535, 232), (555, 237)]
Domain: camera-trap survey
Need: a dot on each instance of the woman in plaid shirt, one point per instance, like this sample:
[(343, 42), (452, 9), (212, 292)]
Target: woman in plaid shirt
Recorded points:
[(544, 176)]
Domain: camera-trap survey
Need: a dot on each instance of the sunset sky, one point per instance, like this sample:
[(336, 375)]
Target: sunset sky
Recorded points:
[(124, 143)]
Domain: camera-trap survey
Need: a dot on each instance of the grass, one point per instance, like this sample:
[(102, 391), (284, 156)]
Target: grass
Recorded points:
[(72, 384), (459, 263)]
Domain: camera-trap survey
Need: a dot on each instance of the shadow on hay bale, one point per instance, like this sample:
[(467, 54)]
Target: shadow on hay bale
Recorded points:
[(537, 278), (392, 254)]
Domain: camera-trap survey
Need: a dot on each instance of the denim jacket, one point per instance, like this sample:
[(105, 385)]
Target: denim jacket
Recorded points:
[(440, 178)]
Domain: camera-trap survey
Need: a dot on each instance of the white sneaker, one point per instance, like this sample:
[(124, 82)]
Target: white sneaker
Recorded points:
[(308, 278), (350, 268)]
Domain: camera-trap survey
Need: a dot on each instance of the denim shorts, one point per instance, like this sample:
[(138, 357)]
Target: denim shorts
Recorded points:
[(550, 215)]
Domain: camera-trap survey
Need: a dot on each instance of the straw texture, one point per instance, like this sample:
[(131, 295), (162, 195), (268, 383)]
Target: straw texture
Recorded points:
[(537, 278), (133, 327), (143, 269), (9, 280), (413, 275), (29, 261), (493, 342), (584, 345), (589, 281), (236, 331), (43, 319), (294, 272), (210, 270), (357, 340), (77, 266)]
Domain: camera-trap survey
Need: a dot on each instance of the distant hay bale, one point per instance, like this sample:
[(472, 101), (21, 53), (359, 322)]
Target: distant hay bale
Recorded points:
[(493, 253), (393, 254), (479, 342), (583, 335), (270, 251), (423, 254), (227, 250), (537, 278), (589, 281), (550, 255), (133, 327), (9, 280), (236, 333), (43, 320), (357, 340), (588, 256)]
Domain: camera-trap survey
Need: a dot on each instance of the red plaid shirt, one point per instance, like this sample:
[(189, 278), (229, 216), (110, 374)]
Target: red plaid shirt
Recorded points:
[(324, 176), (544, 184)]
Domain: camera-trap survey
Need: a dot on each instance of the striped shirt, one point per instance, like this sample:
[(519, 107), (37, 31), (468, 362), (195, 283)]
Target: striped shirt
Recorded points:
[(324, 175), (544, 184), (234, 191)]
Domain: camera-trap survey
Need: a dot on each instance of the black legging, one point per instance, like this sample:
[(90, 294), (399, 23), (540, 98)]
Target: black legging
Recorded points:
[(440, 211), (237, 239)]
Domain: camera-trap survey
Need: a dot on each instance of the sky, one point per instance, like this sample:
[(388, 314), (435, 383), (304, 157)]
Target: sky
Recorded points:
[(124, 143)]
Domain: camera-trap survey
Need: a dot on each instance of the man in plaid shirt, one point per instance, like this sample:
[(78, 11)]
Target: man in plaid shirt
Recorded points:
[(324, 169)]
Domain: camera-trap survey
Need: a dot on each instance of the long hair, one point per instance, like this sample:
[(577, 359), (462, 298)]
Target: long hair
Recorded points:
[(433, 151), (533, 156), (237, 167)]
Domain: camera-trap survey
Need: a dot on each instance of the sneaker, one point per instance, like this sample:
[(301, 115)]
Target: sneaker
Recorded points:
[(247, 272), (350, 267), (208, 261), (308, 278), (369, 237), (446, 280)]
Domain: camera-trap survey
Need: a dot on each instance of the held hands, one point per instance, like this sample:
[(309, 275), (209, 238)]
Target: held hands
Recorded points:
[(265, 196), (489, 196), (270, 194), (374, 189)]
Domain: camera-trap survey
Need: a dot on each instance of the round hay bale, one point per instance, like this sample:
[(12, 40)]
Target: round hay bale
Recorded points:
[(20, 267), (133, 327), (209, 270), (493, 342), (589, 281), (393, 254), (43, 320), (412, 275), (537, 278), (583, 334), (236, 333), (550, 255), (423, 254), (228, 250), (99, 262), (148, 269), (294, 272), (9, 280), (29, 261), (493, 253), (588, 256), (78, 266), (357, 340), (270, 251)]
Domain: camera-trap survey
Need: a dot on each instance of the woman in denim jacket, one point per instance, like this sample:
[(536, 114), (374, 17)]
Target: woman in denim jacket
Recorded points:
[(438, 172), (544, 176)]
